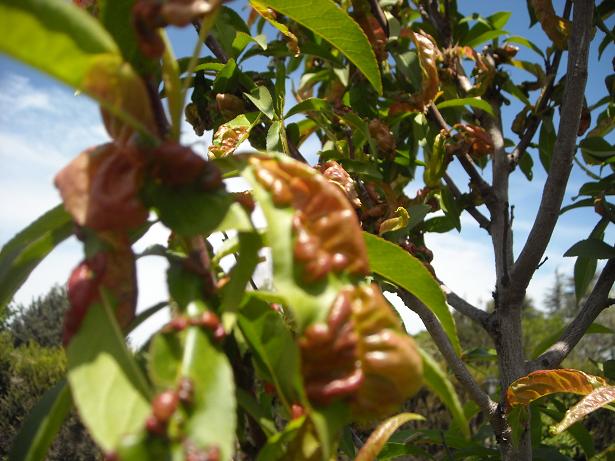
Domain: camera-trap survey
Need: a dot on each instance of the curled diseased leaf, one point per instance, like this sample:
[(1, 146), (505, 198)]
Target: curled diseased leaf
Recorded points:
[(360, 354), (327, 232), (336, 173), (397, 222), (591, 402), (435, 161), (114, 270), (428, 53), (383, 137), (230, 135), (375, 34), (475, 139), (544, 382), (176, 165), (556, 28), (100, 188)]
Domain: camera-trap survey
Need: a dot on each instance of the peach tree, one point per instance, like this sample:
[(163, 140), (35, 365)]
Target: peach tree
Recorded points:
[(289, 372)]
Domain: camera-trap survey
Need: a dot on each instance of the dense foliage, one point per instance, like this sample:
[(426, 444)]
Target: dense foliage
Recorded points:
[(393, 92)]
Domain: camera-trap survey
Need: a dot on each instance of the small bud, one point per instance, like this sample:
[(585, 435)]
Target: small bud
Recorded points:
[(154, 427), (296, 411), (164, 405)]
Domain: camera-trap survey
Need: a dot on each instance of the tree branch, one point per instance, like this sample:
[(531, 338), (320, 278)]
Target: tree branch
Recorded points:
[(464, 307), (481, 219), (446, 348), (597, 301), (563, 150)]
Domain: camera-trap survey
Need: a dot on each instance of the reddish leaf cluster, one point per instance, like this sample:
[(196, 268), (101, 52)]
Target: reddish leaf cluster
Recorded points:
[(114, 270), (328, 235), (473, 139), (336, 173), (360, 353), (150, 15)]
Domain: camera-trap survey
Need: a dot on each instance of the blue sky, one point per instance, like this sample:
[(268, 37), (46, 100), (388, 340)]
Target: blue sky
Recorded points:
[(43, 125)]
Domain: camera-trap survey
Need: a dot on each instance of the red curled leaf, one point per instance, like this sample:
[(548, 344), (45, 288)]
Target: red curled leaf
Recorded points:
[(544, 382), (100, 188), (114, 270), (336, 173), (360, 354), (328, 235), (428, 53), (175, 165)]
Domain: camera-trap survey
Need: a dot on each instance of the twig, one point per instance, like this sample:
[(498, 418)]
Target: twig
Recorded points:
[(597, 301), (481, 219), (435, 113), (446, 348), (464, 307), (563, 151), (533, 122), (483, 186)]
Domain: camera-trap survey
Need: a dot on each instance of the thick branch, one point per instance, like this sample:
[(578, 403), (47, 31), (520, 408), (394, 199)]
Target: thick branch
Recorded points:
[(464, 307), (597, 301), (446, 348), (563, 150)]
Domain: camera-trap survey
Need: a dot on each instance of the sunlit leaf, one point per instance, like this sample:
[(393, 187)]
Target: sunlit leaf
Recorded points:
[(556, 28), (373, 445), (544, 382), (109, 391), (594, 328), (591, 402), (474, 102), (398, 266), (213, 420), (336, 27), (20, 255)]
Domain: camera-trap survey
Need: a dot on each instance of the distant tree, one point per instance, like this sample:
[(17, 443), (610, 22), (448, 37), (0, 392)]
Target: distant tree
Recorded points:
[(32, 360), (41, 321)]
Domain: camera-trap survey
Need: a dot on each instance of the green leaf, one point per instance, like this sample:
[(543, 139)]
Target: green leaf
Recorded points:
[(110, 393), (116, 16), (273, 347), (261, 98), (188, 211), (329, 21), (42, 424), (474, 102), (437, 381), (55, 37), (146, 314), (20, 255), (274, 140), (398, 266), (546, 142), (374, 444), (584, 270), (591, 248), (591, 402), (310, 105), (525, 42), (597, 147), (164, 359), (485, 36), (213, 418), (251, 407), (247, 258)]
